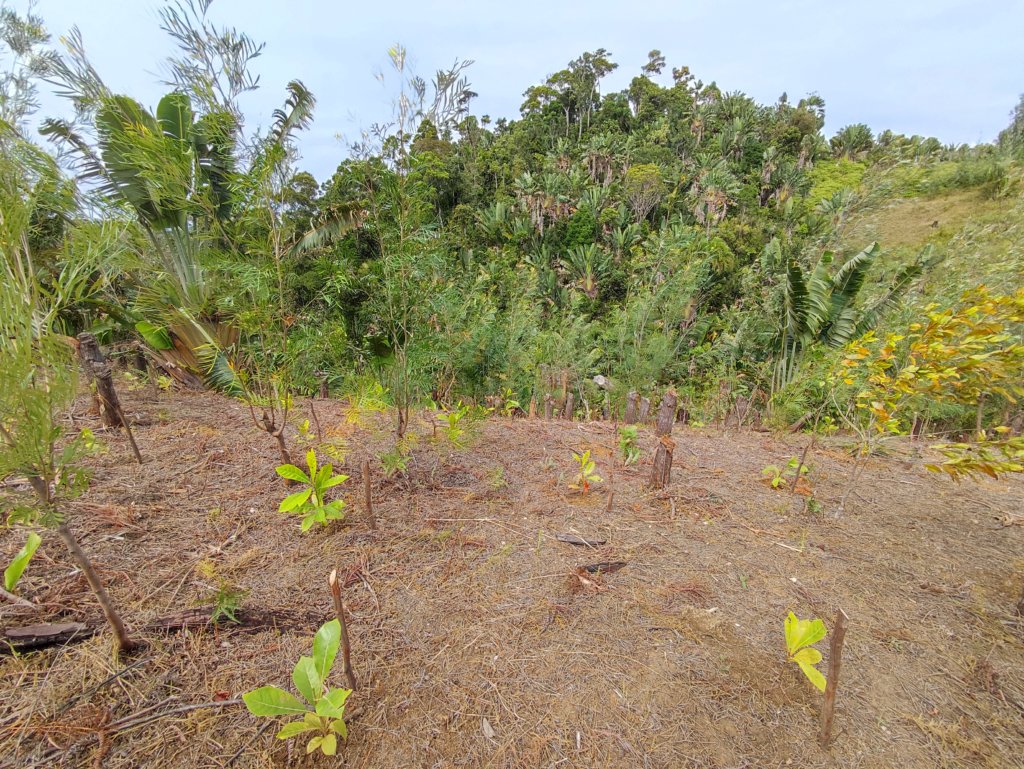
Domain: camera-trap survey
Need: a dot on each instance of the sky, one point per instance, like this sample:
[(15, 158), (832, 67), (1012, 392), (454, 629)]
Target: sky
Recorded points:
[(943, 68)]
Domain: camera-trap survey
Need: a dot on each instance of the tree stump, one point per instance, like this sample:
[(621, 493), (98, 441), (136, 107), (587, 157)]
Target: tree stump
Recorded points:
[(645, 410), (606, 410), (99, 369), (325, 390), (662, 471), (631, 398), (570, 405), (533, 409), (549, 406)]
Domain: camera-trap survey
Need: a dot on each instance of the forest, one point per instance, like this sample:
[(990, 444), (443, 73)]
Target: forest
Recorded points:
[(556, 439)]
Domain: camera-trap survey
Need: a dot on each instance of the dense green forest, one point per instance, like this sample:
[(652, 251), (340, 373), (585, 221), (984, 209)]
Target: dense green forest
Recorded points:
[(661, 235)]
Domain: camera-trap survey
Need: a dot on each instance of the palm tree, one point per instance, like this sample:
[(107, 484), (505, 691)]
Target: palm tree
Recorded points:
[(587, 265), (852, 141)]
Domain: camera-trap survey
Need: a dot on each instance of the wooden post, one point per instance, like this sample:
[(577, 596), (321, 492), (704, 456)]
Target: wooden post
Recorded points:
[(97, 366), (835, 659), (367, 497), (570, 405), (549, 406), (533, 408), (346, 649), (325, 390), (606, 410), (631, 397), (662, 471), (645, 410)]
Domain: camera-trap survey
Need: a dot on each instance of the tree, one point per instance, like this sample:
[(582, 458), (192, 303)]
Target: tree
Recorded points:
[(644, 189)]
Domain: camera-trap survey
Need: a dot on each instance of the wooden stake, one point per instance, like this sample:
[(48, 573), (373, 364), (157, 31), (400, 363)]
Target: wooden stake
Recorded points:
[(645, 410), (346, 650), (367, 498), (662, 471), (631, 398), (835, 659)]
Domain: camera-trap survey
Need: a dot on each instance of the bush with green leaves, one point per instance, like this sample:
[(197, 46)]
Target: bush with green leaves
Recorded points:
[(311, 502), (323, 712), (801, 634)]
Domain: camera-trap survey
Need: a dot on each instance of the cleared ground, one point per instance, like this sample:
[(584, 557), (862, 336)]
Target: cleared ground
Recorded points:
[(476, 644)]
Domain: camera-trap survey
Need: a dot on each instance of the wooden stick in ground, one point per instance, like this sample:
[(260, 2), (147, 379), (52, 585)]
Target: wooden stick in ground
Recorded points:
[(346, 650), (835, 659), (662, 471), (631, 398), (367, 497), (570, 406)]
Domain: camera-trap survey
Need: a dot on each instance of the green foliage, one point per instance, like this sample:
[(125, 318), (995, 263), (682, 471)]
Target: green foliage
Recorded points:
[(311, 502), (780, 478), (455, 430), (800, 635), (587, 472), (628, 444), (226, 603), (321, 711), (20, 561)]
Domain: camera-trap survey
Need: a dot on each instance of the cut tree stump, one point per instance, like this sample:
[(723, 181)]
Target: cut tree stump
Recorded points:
[(645, 410), (570, 406), (111, 413), (661, 473), (549, 406), (631, 398)]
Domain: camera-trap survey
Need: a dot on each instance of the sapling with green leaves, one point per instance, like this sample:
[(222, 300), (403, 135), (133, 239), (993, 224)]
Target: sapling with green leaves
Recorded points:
[(322, 713), (587, 474), (801, 635), (780, 478), (311, 502), (628, 435)]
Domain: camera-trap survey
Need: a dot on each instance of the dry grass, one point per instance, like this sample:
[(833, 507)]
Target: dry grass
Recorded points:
[(475, 642)]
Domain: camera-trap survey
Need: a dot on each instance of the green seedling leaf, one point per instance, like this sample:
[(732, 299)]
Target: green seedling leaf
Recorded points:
[(307, 680), (296, 727), (325, 647), (332, 704), (335, 480), (17, 566), (329, 744), (339, 726), (313, 744), (802, 632), (295, 501), (292, 473), (807, 659), (272, 701)]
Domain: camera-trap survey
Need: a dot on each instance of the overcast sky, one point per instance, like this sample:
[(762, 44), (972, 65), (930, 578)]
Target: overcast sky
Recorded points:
[(945, 68)]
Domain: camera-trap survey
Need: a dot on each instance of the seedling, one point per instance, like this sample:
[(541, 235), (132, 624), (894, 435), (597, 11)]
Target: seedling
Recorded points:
[(780, 478), (17, 566), (628, 444), (800, 635), (511, 405), (454, 431), (586, 474), (323, 711), (226, 603), (310, 502)]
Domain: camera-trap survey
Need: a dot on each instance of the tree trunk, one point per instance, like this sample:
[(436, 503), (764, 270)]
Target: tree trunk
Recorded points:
[(631, 398), (367, 497), (124, 643), (533, 408), (661, 474), (282, 447), (645, 410), (99, 372), (570, 405), (549, 406)]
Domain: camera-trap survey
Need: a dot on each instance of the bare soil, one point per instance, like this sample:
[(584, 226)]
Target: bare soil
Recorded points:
[(475, 642)]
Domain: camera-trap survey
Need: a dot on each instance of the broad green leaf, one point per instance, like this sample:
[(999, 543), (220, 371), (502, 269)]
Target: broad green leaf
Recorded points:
[(596, 478), (325, 647), (313, 744), (329, 744), (802, 632), (335, 481), (292, 473), (295, 727), (272, 701), (338, 725), (294, 501), (311, 461), (17, 567), (306, 680), (155, 336), (332, 704), (814, 675), (307, 522), (808, 655)]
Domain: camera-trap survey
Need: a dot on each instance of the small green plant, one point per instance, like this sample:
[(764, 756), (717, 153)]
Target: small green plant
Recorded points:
[(18, 565), (628, 444), (454, 430), (164, 382), (587, 474), (496, 478), (800, 635), (310, 502), (510, 404), (323, 711), (226, 603), (780, 478)]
